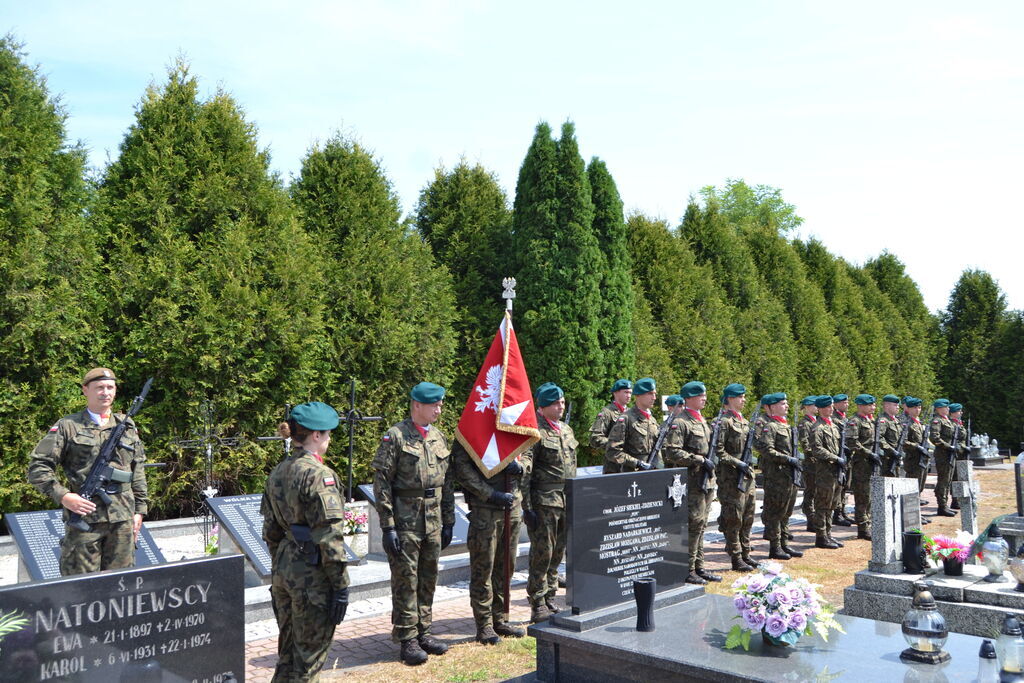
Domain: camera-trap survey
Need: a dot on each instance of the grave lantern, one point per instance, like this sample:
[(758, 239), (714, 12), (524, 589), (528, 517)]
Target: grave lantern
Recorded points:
[(994, 554), (1012, 646), (924, 629), (1017, 569), (988, 663)]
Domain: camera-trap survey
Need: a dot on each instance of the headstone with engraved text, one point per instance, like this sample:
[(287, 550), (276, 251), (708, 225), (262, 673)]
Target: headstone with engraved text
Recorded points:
[(895, 508), (966, 491), (375, 545)]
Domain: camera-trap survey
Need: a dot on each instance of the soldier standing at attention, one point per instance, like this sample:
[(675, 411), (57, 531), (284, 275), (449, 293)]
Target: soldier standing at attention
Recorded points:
[(862, 464), (941, 435), (956, 410), (775, 443), (488, 547), (303, 525), (840, 404), (890, 428), (737, 512), (547, 465), (804, 428), (689, 447), (634, 432), (825, 450), (911, 454), (416, 503), (622, 391), (72, 445)]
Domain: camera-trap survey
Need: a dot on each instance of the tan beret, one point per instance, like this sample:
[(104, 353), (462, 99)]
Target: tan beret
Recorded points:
[(98, 373)]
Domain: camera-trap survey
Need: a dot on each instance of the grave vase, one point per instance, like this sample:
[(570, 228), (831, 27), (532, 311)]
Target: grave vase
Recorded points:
[(952, 566), (773, 642), (914, 560), (643, 591)]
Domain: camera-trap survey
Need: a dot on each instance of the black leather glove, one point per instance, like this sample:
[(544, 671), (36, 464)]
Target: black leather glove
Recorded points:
[(643, 465), (706, 464), (337, 605), (391, 544), (795, 462), (530, 519), (841, 461), (922, 449), (446, 535), (514, 468), (502, 499), (743, 467)]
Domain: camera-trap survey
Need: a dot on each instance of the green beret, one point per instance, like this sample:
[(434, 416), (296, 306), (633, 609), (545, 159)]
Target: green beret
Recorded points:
[(691, 389), (940, 403), (621, 384), (890, 398), (808, 400), (732, 390), (644, 386), (427, 392), (824, 401), (673, 400), (317, 416), (840, 397), (864, 399), (772, 399), (911, 402), (548, 393), (956, 408), (98, 373)]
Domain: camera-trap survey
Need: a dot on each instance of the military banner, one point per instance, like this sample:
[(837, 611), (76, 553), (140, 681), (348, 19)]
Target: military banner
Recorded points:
[(499, 421)]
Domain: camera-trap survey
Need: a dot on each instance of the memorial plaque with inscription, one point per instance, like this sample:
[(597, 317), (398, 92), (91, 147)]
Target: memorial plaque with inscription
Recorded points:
[(38, 536), (911, 504), (241, 519), (624, 527), (172, 622)]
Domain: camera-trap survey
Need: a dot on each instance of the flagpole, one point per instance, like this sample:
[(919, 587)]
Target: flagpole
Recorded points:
[(508, 293)]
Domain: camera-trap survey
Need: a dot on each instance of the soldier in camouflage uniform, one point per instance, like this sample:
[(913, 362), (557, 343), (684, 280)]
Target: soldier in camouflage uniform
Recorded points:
[(774, 442), (890, 426), (840, 403), (622, 391), (303, 525), (634, 433), (911, 445), (415, 496), (941, 435), (804, 427), (488, 546), (688, 445), (956, 411), (547, 465), (72, 445), (827, 462), (737, 513), (864, 463)]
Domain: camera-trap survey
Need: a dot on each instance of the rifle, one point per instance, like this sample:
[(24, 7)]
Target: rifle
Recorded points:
[(568, 413), (660, 441), (843, 450), (747, 455), (794, 451), (711, 460), (102, 473), (953, 444), (876, 454), (895, 466), (925, 447)]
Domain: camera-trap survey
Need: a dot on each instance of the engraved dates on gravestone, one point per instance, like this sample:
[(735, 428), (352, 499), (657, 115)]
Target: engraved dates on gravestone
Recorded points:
[(171, 622), (624, 527), (911, 505), (38, 536)]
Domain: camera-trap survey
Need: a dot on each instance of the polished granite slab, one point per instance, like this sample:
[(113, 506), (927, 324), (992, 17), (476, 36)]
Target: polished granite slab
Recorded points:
[(688, 644)]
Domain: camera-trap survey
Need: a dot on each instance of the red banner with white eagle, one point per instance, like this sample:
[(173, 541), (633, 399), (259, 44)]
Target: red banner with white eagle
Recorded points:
[(499, 421)]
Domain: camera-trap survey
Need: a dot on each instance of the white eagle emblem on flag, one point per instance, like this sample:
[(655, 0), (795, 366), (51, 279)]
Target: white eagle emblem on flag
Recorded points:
[(489, 396)]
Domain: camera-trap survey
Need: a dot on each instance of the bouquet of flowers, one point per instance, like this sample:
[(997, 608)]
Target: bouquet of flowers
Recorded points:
[(355, 522), (943, 547), (781, 607), (213, 542)]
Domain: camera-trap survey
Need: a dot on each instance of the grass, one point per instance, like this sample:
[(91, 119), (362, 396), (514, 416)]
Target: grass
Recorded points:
[(464, 662)]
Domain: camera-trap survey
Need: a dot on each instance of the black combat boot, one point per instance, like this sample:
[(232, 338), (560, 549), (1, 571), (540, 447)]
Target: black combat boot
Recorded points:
[(945, 512), (748, 560), (487, 635), (539, 613), (740, 565), (708, 576), (503, 628), (955, 505), (695, 579), (833, 539), (432, 645), (777, 553), (823, 541), (839, 520), (412, 653), (789, 551), (555, 609), (864, 532)]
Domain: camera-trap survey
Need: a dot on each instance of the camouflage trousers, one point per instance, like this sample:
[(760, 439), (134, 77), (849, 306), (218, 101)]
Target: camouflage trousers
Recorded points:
[(305, 631), (413, 579), (107, 545), (698, 505), (487, 552), (547, 548), (913, 469), (826, 486), (945, 477), (779, 500), (737, 515), (808, 504), (862, 472)]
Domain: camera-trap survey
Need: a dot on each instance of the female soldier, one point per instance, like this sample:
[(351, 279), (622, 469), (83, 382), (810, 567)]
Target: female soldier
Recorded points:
[(303, 513)]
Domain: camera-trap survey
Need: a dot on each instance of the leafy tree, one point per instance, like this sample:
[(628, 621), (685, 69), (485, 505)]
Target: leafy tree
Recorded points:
[(760, 206), (218, 290), (48, 263), (1002, 413), (717, 243)]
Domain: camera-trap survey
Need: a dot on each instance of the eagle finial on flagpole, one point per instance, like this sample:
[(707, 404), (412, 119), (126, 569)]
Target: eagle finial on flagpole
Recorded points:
[(509, 293)]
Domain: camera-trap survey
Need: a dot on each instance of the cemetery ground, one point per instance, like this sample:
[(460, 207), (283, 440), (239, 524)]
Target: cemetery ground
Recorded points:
[(362, 649)]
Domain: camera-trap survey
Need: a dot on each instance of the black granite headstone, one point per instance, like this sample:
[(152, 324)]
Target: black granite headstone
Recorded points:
[(172, 622), (1018, 478), (460, 534), (38, 536), (911, 504), (241, 518), (624, 527)]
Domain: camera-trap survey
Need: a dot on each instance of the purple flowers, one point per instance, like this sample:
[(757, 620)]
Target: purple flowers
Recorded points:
[(798, 621), (777, 604), (775, 626), (754, 620), (757, 583)]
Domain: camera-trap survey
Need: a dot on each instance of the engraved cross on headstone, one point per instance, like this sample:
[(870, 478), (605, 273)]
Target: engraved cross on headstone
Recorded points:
[(633, 491), (966, 491)]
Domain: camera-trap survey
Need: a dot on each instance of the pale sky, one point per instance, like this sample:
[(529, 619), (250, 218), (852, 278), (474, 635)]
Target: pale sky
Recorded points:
[(891, 125)]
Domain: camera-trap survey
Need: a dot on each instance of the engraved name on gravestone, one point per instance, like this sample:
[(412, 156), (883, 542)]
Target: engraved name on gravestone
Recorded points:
[(171, 622), (375, 545), (895, 508), (37, 536), (624, 527)]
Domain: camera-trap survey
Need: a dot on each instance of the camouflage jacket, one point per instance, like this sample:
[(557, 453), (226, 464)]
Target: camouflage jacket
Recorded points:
[(804, 428), (547, 464), (861, 439), (732, 438), (631, 440), (915, 434), (891, 428), (688, 443), (476, 486), (73, 444), (941, 435), (774, 441), (413, 483), (304, 491), (602, 426), (825, 441)]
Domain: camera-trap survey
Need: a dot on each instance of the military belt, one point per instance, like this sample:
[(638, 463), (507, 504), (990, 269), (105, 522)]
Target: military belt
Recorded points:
[(549, 486), (415, 493)]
